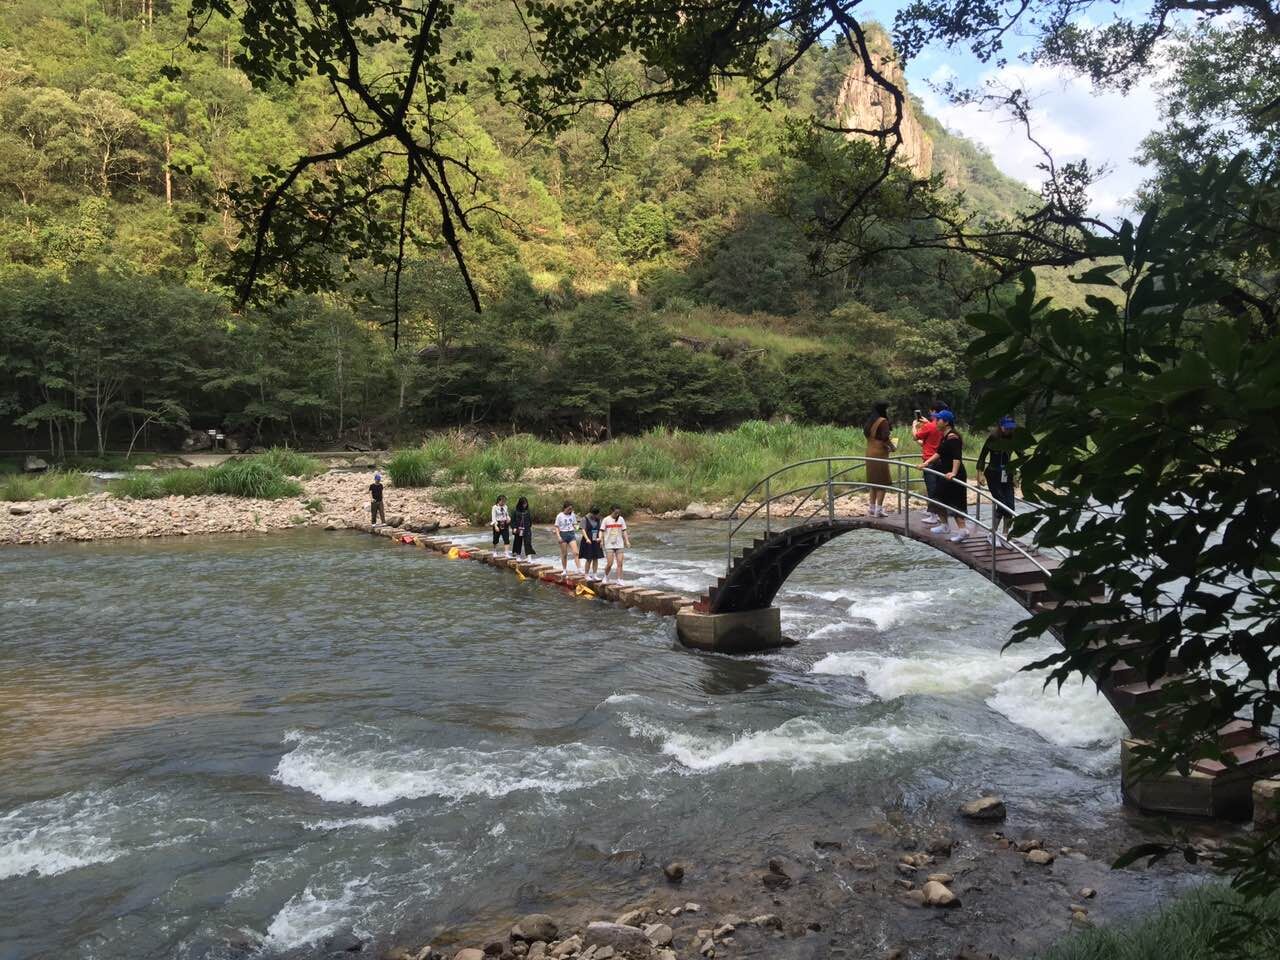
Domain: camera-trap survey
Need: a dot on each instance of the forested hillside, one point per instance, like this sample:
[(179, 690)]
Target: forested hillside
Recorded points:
[(668, 282)]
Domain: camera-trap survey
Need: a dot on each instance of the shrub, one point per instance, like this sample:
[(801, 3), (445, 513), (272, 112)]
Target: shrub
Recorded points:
[(292, 463), (593, 469), (253, 478), (411, 468), (185, 483), (51, 485), (139, 486)]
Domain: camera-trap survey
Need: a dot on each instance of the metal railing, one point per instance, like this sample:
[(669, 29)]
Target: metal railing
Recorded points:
[(831, 481)]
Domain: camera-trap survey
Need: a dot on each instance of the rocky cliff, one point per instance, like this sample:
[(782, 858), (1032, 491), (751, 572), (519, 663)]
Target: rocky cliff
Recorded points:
[(863, 103)]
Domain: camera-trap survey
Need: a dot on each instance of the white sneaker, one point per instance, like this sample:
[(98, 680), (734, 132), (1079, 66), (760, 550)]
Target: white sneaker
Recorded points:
[(959, 536), (929, 518), (940, 528)]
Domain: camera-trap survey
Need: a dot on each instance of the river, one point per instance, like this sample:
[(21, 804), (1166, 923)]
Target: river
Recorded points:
[(221, 744)]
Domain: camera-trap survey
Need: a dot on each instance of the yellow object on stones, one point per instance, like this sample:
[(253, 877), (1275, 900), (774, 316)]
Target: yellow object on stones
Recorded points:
[(582, 590), (454, 553)]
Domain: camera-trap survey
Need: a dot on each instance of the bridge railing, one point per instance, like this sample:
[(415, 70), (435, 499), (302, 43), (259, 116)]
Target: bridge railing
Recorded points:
[(818, 483)]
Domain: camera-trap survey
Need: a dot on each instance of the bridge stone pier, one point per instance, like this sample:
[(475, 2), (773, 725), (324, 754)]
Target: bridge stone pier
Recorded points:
[(745, 631)]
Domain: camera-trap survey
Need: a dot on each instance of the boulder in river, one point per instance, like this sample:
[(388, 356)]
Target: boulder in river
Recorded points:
[(674, 871), (984, 808), (698, 511), (937, 895), (623, 939), (534, 926), (1039, 857), (659, 934)]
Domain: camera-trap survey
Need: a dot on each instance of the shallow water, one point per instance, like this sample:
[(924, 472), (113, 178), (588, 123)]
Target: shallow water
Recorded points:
[(219, 743)]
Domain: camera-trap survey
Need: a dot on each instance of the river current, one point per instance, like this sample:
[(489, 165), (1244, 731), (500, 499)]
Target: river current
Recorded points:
[(215, 745)]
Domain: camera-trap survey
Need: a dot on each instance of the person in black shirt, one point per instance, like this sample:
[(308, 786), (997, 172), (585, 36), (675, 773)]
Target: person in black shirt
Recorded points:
[(376, 512), (522, 529), (951, 489), (996, 468)]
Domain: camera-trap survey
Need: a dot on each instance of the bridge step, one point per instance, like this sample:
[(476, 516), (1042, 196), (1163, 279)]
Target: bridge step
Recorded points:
[(1247, 756), (1142, 697)]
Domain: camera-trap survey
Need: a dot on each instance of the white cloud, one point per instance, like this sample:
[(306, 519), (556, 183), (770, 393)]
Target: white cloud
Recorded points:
[(1069, 117)]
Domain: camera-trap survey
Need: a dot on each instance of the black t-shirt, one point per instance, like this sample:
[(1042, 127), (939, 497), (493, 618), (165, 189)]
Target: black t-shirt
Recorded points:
[(375, 490), (949, 451)]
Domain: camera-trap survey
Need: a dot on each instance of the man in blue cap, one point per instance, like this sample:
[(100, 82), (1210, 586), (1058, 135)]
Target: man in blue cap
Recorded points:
[(376, 512), (996, 468)]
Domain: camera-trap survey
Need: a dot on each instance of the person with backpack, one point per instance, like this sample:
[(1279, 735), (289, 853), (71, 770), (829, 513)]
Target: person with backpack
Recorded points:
[(995, 466), (927, 433)]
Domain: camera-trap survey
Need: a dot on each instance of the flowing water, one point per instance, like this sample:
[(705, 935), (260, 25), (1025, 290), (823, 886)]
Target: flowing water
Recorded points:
[(220, 745)]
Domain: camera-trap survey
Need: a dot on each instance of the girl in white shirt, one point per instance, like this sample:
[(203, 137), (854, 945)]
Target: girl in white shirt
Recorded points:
[(500, 520), (616, 539), (566, 531)]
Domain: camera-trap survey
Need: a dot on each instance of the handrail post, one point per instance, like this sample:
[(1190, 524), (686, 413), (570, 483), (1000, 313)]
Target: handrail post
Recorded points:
[(902, 500), (831, 502), (768, 510), (905, 498)]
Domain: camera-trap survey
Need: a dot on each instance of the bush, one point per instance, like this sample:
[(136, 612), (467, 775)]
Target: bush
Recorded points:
[(1187, 930), (292, 463), (253, 478), (593, 469), (185, 483), (139, 486), (411, 468), (51, 485)]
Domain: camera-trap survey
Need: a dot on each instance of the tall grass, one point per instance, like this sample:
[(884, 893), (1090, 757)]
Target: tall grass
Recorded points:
[(292, 463), (50, 485), (1186, 930), (255, 478), (139, 486), (658, 470)]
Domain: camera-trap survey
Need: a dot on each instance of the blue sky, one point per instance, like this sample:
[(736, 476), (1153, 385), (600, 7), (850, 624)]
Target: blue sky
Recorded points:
[(1068, 116)]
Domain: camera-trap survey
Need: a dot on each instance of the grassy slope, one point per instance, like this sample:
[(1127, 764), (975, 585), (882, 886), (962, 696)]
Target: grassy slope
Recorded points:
[(1184, 931)]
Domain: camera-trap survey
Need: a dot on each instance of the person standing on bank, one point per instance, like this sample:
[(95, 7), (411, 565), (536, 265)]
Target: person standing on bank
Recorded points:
[(996, 468), (590, 551), (377, 513), (500, 520), (879, 434), (522, 526), (616, 539), (566, 531), (952, 492), (925, 430)]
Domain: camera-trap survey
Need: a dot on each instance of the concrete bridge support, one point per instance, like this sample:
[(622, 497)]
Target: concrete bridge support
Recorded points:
[(747, 631)]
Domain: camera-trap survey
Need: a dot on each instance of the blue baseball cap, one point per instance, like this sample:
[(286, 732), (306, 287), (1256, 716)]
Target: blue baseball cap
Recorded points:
[(377, 478), (1007, 422), (945, 415)]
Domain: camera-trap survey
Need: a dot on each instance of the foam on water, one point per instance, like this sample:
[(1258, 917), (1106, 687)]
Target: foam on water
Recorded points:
[(309, 917), (797, 743), (882, 610), (888, 677), (1079, 716), (382, 822), (53, 836), (372, 777)]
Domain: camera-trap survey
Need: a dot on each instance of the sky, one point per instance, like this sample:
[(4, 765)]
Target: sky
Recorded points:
[(1068, 116)]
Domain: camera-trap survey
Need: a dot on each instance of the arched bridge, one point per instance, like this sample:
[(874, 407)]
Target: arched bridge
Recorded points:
[(794, 511)]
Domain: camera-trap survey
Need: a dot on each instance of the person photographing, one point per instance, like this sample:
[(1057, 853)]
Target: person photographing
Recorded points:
[(995, 468)]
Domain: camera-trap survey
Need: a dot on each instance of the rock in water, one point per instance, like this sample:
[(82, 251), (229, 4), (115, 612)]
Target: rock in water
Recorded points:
[(698, 511), (623, 939), (470, 953), (674, 871), (937, 895), (33, 464), (984, 808), (1041, 857), (535, 926), (659, 934)]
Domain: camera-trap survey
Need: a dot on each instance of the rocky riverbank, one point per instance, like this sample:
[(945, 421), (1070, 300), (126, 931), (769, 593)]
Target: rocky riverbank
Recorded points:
[(333, 500), (974, 888)]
